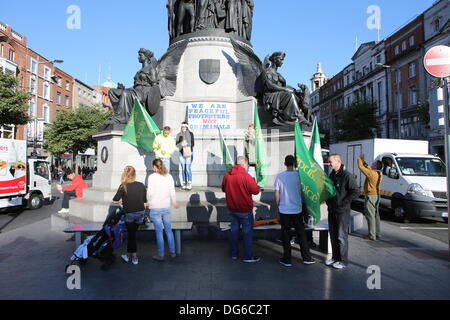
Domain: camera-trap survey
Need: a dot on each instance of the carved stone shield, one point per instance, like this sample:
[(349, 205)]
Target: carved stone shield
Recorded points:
[(209, 70)]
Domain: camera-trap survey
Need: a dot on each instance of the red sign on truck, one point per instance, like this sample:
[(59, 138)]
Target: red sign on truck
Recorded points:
[(437, 61)]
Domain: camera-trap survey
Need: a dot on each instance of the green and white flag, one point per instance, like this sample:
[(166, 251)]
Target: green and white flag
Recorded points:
[(316, 186), (316, 147), (141, 130), (227, 159), (261, 152)]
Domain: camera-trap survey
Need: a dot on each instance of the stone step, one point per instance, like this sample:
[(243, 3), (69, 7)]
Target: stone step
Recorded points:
[(211, 195)]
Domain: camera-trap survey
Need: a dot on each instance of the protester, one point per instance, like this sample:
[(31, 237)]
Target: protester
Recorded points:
[(74, 190), (239, 187), (250, 148), (161, 197), (185, 143), (288, 196), (133, 196), (372, 196), (61, 175), (164, 147), (339, 208)]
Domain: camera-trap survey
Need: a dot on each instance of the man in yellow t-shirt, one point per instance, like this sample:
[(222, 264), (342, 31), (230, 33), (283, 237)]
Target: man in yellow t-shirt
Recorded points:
[(372, 196), (164, 146)]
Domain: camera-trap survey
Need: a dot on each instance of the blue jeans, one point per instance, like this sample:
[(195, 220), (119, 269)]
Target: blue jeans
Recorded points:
[(245, 220), (160, 218), (186, 168)]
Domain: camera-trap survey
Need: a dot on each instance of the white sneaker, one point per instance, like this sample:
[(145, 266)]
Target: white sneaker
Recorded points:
[(184, 187), (330, 262), (135, 262), (189, 187), (62, 211), (339, 265), (125, 258)]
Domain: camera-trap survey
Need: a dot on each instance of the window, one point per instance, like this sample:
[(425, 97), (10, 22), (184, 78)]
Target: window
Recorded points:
[(66, 101), (12, 55), (47, 74), (398, 99), (79, 92), (46, 91), (379, 58), (33, 66), (1, 51), (412, 70), (33, 86), (67, 85), (31, 108), (404, 45), (59, 82), (437, 25), (58, 98), (398, 76), (397, 50), (7, 132), (412, 95), (46, 113), (41, 169), (411, 41), (422, 167)]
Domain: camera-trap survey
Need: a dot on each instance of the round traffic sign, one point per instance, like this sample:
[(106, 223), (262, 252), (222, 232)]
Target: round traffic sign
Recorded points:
[(437, 61)]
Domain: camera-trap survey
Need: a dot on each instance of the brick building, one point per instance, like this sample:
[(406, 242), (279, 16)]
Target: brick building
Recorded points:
[(51, 88)]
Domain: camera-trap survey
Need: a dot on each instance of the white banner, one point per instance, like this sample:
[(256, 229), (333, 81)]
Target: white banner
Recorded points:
[(209, 116)]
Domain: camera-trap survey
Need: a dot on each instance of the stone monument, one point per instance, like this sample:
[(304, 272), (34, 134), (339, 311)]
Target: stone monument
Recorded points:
[(210, 78)]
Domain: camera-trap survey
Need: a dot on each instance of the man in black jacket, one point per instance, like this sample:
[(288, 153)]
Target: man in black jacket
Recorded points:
[(339, 209)]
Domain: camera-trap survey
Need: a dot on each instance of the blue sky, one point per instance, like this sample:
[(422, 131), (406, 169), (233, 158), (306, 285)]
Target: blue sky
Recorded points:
[(113, 31)]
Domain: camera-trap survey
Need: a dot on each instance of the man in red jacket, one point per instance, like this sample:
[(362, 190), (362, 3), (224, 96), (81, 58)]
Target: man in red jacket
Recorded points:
[(239, 187), (75, 189)]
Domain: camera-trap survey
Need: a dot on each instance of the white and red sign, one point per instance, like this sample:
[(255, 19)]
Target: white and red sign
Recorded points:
[(13, 164), (437, 61)]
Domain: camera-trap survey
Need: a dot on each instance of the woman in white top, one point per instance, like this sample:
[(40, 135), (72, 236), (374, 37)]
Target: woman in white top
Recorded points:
[(161, 197)]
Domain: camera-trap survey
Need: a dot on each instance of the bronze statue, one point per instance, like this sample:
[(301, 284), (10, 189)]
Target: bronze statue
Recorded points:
[(262, 80), (153, 81), (171, 18), (206, 15), (233, 22), (282, 100), (185, 17), (247, 18)]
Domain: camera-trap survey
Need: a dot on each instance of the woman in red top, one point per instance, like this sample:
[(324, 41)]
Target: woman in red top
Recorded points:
[(75, 189)]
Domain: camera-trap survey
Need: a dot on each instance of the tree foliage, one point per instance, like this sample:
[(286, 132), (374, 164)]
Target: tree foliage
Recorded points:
[(73, 130), (13, 101), (357, 122)]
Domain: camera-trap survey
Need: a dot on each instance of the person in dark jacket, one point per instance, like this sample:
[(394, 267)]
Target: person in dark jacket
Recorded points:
[(339, 208), (239, 187), (133, 196), (186, 142)]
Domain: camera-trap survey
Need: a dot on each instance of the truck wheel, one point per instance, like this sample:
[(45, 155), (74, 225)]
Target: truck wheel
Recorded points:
[(402, 215), (35, 202), (445, 220)]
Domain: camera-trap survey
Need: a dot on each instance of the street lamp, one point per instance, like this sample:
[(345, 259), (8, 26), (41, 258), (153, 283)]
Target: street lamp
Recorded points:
[(37, 97), (386, 68)]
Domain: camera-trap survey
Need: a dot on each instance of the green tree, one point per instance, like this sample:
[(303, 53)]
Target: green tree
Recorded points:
[(13, 101), (73, 130), (357, 122)]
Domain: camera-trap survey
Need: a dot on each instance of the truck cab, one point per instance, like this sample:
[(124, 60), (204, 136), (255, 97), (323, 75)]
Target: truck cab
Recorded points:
[(39, 183), (414, 185)]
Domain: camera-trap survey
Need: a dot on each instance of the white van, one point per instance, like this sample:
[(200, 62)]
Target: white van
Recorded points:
[(414, 182), (22, 182)]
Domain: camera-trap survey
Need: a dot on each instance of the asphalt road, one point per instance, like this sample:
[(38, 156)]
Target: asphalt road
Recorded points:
[(434, 228), (431, 227)]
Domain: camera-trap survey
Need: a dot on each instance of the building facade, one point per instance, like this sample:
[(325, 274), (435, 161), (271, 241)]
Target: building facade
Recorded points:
[(85, 95)]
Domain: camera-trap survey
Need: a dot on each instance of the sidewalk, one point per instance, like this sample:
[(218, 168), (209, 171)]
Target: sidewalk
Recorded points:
[(33, 260)]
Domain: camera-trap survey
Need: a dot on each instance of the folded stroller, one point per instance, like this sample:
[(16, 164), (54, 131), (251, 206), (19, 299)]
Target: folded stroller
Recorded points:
[(102, 244)]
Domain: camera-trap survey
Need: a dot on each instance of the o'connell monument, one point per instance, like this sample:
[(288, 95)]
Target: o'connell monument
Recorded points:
[(211, 78)]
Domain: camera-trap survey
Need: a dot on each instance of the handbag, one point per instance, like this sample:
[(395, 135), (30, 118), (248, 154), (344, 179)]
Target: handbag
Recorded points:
[(187, 152)]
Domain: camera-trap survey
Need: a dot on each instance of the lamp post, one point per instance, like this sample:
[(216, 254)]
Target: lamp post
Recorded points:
[(386, 68), (37, 98)]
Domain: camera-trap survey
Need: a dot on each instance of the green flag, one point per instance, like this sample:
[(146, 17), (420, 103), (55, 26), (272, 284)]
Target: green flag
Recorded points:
[(316, 147), (227, 160), (316, 186), (261, 152), (141, 130)]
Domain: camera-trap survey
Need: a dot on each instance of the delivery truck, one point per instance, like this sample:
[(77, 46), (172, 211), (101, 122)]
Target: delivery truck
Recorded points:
[(414, 182), (23, 182)]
